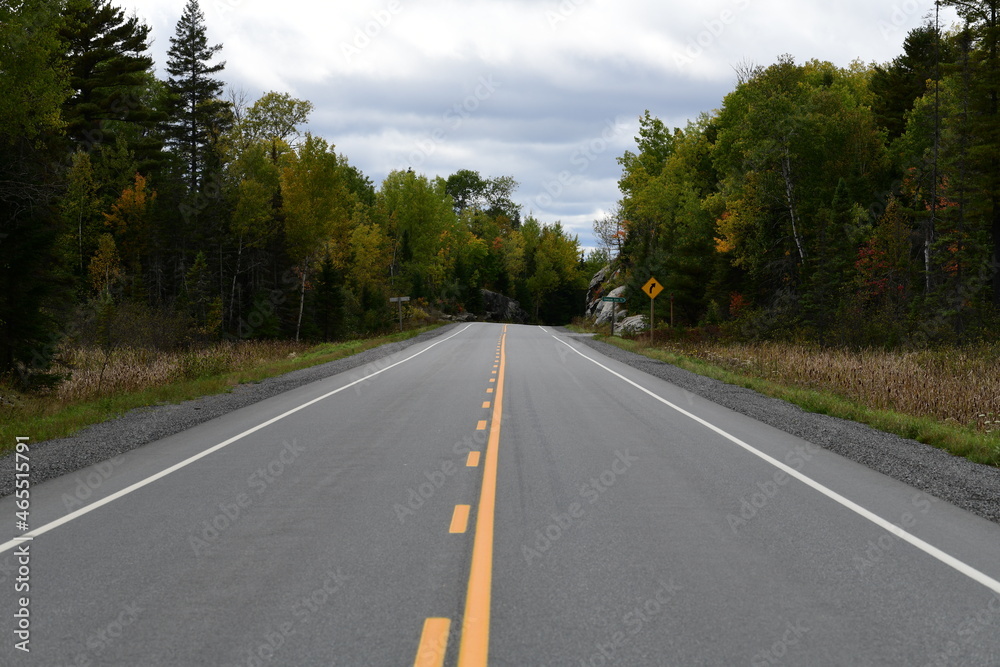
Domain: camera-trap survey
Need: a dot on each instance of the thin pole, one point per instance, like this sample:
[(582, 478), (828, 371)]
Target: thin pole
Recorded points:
[(652, 302)]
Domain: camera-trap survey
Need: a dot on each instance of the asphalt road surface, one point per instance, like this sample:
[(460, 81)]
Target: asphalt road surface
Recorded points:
[(499, 495)]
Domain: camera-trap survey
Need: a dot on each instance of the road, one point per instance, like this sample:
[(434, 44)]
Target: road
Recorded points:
[(500, 495)]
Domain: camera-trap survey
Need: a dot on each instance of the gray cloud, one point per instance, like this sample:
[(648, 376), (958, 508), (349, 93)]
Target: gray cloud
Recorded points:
[(400, 83)]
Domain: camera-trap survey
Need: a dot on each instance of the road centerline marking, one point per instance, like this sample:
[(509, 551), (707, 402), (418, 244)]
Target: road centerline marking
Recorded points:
[(929, 549), (433, 643), (460, 519), (7, 546), (473, 460), (475, 643)]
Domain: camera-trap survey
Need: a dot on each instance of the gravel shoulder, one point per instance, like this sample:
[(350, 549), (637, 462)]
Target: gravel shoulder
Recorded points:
[(968, 485), (971, 486), (100, 442)]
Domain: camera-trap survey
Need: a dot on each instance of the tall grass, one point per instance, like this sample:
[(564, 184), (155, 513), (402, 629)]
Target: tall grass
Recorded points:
[(948, 397), (959, 385), (94, 374), (102, 386)]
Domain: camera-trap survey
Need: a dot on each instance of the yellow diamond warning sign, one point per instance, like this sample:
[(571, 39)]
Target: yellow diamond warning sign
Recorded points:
[(652, 288)]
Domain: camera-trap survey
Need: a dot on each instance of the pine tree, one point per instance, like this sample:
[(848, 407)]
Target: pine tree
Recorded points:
[(106, 56), (983, 21), (32, 90), (195, 95), (898, 84)]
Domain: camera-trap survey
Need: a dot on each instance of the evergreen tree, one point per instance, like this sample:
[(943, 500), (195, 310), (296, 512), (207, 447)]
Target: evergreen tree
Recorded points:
[(106, 56), (32, 90), (330, 300), (982, 111), (898, 84), (194, 94)]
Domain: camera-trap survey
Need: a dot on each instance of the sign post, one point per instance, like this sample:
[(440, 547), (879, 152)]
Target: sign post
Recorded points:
[(614, 312), (652, 288), (400, 300)]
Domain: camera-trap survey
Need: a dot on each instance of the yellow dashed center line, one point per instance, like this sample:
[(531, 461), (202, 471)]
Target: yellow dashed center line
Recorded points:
[(460, 519), (475, 645), (433, 643), (475, 642)]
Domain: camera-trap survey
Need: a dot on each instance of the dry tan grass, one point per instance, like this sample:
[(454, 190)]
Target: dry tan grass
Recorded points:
[(952, 385), (94, 374)]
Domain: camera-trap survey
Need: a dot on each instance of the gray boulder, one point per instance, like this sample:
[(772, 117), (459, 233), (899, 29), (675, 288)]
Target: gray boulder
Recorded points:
[(500, 308), (633, 324)]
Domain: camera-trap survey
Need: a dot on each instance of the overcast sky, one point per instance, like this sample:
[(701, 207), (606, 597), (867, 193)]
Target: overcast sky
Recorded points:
[(547, 92)]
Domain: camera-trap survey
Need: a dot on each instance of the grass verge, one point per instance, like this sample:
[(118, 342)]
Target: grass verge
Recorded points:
[(81, 403), (949, 435)]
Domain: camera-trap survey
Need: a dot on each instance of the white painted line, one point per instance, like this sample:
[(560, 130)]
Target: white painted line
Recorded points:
[(929, 549), (7, 546)]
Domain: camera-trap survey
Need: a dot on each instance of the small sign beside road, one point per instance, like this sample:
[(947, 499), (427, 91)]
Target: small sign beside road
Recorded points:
[(614, 313), (400, 300)]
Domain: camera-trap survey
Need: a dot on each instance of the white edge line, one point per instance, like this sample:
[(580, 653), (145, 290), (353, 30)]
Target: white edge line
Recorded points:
[(929, 549), (6, 546)]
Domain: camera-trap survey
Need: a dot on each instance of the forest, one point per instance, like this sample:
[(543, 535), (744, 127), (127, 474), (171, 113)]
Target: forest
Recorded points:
[(855, 206), (849, 206), (170, 212)]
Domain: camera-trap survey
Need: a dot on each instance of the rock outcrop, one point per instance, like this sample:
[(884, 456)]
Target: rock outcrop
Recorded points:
[(500, 308), (601, 311)]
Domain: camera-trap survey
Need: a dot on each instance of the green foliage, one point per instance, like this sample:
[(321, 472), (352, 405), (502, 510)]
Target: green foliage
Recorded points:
[(33, 286), (196, 109), (108, 69), (853, 206)]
